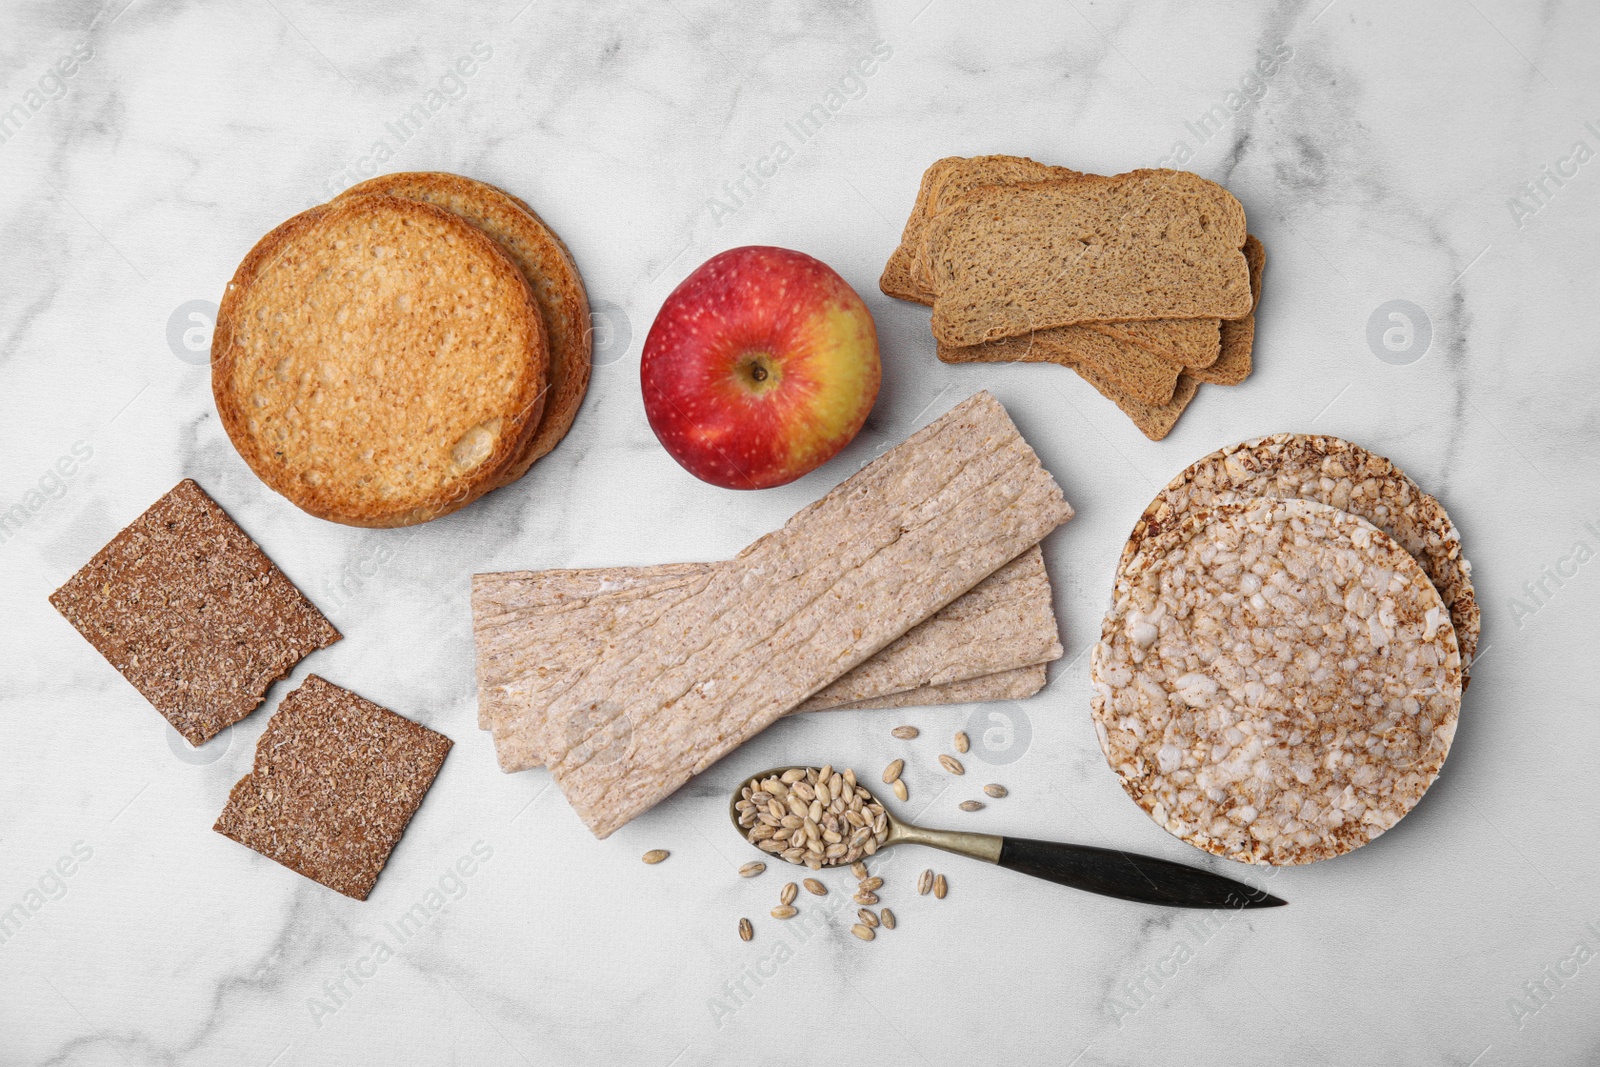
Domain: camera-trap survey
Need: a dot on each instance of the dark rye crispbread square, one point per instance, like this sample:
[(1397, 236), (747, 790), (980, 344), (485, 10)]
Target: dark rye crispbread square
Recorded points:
[(192, 613), (336, 779)]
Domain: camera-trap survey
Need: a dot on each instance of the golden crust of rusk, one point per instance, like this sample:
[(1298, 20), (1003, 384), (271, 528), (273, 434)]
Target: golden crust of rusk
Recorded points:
[(379, 361), (550, 271)]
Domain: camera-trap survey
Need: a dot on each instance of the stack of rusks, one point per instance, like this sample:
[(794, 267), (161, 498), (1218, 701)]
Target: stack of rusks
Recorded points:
[(1144, 283), (391, 356)]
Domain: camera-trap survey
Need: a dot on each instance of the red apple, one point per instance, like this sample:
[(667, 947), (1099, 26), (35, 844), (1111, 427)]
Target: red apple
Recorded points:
[(759, 368)]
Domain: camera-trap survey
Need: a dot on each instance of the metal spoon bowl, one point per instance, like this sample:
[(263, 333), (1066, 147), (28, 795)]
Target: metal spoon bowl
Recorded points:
[(1109, 872)]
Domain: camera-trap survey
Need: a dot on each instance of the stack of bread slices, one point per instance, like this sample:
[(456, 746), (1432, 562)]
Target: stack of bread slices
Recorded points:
[(1144, 283)]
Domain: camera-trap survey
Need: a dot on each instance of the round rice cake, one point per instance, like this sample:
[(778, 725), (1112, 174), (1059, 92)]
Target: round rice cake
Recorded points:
[(1277, 681), (1332, 471), (550, 272), (379, 361)]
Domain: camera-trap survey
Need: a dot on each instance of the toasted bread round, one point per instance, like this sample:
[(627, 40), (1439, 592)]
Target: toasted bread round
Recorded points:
[(379, 361), (550, 271)]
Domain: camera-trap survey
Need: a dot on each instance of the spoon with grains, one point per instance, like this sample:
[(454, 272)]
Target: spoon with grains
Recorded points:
[(819, 817)]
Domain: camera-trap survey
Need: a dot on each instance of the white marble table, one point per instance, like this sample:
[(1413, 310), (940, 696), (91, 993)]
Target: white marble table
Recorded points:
[(1396, 152)]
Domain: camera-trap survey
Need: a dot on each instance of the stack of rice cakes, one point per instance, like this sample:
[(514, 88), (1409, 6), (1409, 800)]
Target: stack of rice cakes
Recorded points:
[(1279, 676)]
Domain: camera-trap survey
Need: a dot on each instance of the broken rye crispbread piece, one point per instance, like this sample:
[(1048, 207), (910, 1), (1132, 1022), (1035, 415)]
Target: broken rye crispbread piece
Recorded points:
[(531, 629), (192, 613), (336, 779), (1009, 259), (1277, 681), (846, 576)]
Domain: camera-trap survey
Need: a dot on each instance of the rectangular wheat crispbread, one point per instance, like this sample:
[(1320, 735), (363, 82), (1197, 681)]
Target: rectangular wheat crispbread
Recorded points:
[(1128, 368), (1002, 625), (1004, 622), (1002, 685), (908, 275), (846, 576), (530, 627), (1238, 335), (1154, 244), (530, 630), (190, 611), (335, 782)]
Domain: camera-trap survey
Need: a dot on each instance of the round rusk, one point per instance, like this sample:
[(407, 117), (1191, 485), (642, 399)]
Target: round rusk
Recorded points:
[(550, 272), (1277, 681), (379, 361)]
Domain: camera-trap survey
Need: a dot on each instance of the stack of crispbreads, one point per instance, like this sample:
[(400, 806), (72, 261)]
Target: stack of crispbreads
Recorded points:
[(1144, 283), (917, 581)]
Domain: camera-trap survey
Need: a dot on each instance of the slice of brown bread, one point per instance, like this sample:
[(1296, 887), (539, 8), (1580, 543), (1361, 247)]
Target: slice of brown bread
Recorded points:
[(906, 275), (1238, 335), (898, 279), (1155, 421), (550, 272), (1188, 342), (1129, 369), (379, 361), (1145, 245)]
